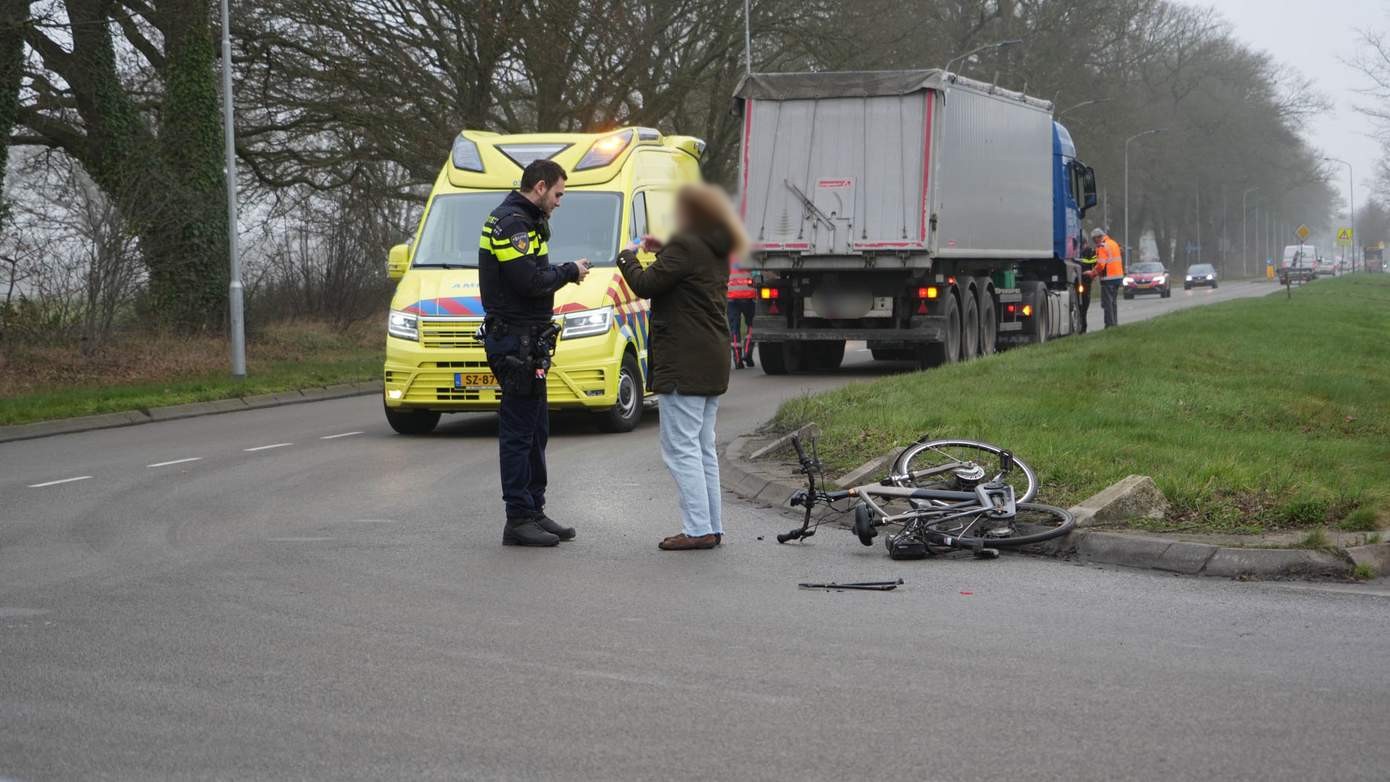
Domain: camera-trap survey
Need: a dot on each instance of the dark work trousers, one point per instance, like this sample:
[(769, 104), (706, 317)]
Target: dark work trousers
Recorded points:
[(740, 338), (1110, 302), (523, 427), (1084, 304)]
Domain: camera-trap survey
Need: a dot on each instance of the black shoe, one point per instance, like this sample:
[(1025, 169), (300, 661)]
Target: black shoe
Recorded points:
[(527, 532), (553, 527), (748, 360)]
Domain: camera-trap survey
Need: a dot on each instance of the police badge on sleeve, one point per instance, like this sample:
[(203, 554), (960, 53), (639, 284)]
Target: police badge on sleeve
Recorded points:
[(521, 242)]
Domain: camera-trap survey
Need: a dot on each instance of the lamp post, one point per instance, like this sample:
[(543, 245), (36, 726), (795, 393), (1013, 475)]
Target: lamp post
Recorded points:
[(1244, 243), (1080, 105), (1351, 201), (236, 316), (1126, 254), (977, 50), (748, 36)]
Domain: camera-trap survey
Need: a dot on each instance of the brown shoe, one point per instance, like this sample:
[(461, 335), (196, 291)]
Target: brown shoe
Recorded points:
[(683, 542)]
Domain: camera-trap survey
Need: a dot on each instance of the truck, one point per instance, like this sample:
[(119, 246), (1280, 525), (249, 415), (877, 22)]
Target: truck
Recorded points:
[(933, 217), (1300, 264)]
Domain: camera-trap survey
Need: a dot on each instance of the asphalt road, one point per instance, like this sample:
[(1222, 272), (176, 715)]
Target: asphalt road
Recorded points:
[(299, 593)]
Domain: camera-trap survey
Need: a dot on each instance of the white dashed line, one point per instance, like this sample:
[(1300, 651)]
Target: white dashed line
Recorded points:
[(176, 461), (266, 447), (336, 436), (298, 540), (55, 483)]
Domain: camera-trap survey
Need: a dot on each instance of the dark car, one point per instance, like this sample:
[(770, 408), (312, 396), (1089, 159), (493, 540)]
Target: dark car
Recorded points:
[(1147, 277), (1198, 275)]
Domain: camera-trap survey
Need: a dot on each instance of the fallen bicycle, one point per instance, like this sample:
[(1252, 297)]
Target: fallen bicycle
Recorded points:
[(942, 496)]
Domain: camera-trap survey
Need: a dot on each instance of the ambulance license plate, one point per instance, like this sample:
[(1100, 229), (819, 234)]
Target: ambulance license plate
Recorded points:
[(474, 380)]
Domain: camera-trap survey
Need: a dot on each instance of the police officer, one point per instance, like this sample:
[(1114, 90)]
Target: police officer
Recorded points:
[(518, 286), (1110, 270), (1087, 259)]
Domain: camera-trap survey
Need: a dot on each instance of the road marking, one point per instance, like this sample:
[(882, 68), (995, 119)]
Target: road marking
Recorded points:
[(176, 461), (336, 436), (55, 483), (266, 447), (297, 540)]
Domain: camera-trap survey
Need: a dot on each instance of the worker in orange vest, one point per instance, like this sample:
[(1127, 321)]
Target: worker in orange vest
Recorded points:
[(1110, 271), (742, 293)]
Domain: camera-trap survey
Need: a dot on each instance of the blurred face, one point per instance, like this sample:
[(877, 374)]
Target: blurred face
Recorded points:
[(684, 221), (547, 197)]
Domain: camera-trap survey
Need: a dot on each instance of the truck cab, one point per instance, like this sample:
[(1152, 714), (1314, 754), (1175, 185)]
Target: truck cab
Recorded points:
[(621, 184)]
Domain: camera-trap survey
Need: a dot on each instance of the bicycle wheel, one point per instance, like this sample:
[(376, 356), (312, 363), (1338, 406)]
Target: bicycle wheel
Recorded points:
[(957, 465), (1033, 523)]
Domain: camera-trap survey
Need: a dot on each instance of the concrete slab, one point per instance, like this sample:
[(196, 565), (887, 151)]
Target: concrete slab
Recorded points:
[(1276, 563)]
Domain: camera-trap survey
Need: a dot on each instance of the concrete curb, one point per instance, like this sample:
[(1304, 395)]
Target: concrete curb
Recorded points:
[(753, 482), (88, 423)]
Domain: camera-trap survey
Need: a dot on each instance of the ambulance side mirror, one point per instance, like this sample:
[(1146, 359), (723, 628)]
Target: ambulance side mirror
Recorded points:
[(397, 262)]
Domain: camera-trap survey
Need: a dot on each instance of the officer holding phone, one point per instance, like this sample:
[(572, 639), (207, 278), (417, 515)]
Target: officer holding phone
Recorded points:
[(518, 290)]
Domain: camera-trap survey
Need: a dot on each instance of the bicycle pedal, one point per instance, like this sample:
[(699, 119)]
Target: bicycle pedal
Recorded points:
[(987, 553)]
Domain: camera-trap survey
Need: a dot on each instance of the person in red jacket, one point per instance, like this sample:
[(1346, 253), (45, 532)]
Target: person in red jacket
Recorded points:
[(742, 292)]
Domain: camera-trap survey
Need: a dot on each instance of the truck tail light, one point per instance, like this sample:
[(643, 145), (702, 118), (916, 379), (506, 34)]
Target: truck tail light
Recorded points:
[(1028, 310), (1012, 309), (928, 293), (769, 293)]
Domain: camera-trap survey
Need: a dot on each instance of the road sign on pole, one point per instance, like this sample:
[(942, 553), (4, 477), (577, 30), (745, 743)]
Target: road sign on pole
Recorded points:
[(1344, 237), (1303, 232)]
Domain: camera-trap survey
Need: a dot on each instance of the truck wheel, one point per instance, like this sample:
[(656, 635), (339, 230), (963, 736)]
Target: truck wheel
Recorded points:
[(969, 327), (626, 413), (779, 358), (825, 356), (1043, 317), (989, 324), (411, 421), (934, 354)]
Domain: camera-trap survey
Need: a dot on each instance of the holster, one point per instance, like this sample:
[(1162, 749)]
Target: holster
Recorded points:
[(510, 355)]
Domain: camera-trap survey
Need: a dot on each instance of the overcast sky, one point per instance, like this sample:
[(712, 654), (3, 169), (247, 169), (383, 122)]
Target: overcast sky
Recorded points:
[(1311, 35)]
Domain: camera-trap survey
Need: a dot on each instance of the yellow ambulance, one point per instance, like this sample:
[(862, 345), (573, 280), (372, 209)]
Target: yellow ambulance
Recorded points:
[(621, 185)]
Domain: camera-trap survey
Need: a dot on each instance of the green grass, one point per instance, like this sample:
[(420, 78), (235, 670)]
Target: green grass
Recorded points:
[(1251, 415), (140, 375), (1362, 519), (1363, 572)]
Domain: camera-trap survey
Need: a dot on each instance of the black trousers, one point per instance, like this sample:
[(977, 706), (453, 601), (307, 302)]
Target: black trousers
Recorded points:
[(1084, 304), (1110, 302), (740, 339), (523, 428)]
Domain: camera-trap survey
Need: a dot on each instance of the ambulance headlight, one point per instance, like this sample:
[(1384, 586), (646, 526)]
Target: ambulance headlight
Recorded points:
[(403, 325), (588, 323)]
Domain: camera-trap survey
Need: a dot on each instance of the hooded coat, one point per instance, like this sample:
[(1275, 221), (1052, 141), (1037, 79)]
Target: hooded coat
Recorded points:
[(688, 286)]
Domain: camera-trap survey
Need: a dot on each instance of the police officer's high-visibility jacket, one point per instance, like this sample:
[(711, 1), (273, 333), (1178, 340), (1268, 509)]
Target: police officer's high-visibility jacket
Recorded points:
[(514, 272), (1109, 262)]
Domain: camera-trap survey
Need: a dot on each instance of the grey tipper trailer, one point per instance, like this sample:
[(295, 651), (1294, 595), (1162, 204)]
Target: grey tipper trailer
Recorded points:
[(913, 210)]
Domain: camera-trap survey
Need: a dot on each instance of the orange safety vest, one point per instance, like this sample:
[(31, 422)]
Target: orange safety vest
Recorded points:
[(1109, 262)]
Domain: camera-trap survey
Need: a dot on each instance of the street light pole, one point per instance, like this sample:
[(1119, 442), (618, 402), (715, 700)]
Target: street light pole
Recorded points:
[(1351, 204), (1244, 246), (748, 36), (1080, 105), (1126, 250), (996, 45), (236, 320)]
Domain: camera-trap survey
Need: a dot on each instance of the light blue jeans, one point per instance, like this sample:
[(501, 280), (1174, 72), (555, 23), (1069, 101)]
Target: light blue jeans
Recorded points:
[(687, 446)]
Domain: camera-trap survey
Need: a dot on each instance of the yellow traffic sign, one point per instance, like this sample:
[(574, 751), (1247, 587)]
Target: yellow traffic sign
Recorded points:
[(1344, 237), (1303, 232)]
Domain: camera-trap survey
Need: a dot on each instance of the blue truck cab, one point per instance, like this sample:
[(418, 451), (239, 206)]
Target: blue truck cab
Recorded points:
[(1073, 193)]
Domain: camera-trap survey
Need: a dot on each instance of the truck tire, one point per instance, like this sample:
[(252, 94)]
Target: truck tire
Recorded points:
[(626, 413), (969, 326), (825, 356), (779, 358), (989, 322), (411, 421), (1043, 317), (935, 354)]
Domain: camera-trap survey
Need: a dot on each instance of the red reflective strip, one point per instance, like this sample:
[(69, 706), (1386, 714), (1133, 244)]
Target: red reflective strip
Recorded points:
[(747, 139), (926, 162)]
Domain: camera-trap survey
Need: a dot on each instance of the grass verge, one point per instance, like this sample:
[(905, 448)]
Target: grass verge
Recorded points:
[(45, 383), (1252, 415)]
